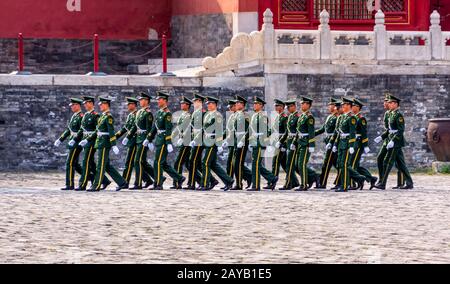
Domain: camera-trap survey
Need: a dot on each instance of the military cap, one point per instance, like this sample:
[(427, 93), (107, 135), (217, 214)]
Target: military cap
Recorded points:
[(333, 101), (347, 101), (75, 101), (162, 95), (185, 100), (104, 100), (197, 97), (386, 96), (306, 100), (291, 102), (338, 103), (279, 102), (231, 103), (131, 100), (358, 102), (143, 95), (257, 100), (88, 99), (240, 99), (212, 100), (393, 98)]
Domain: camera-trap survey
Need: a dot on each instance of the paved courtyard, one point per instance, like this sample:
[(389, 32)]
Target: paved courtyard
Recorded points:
[(39, 223)]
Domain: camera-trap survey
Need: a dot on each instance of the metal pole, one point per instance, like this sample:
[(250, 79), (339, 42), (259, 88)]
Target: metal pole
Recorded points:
[(20, 51), (96, 45), (164, 51)]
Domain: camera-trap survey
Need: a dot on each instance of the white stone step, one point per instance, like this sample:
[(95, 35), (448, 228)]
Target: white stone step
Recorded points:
[(177, 61)]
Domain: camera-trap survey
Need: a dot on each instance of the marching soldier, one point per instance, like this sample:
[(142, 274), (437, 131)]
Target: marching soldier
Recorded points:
[(74, 150), (383, 151), (396, 139), (195, 158), (259, 138), (88, 127), (346, 131), (105, 140), (213, 134), (334, 141), (182, 135), (292, 152), (328, 128), (362, 143), (241, 133), (279, 129), (130, 142), (162, 134), (229, 138), (305, 142)]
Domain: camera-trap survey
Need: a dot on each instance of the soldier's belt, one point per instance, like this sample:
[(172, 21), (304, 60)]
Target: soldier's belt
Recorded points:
[(259, 134), (344, 135), (73, 133), (241, 133), (392, 131), (210, 135), (88, 132), (358, 135), (140, 131), (100, 134), (303, 134), (290, 134), (329, 134), (161, 131)]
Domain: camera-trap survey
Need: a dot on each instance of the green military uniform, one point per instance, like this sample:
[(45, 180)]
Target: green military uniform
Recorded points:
[(105, 139), (212, 124), (162, 134), (330, 157), (334, 141), (258, 141), (241, 135), (181, 134), (289, 137), (70, 133), (279, 129), (229, 139), (396, 139), (305, 141)]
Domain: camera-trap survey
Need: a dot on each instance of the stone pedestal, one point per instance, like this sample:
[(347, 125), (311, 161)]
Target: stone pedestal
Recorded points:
[(441, 167)]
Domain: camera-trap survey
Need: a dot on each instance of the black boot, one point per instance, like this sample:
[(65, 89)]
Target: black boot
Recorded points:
[(253, 189), (105, 185), (80, 189), (273, 184), (408, 186), (148, 183), (373, 181), (136, 187), (123, 186), (179, 184), (67, 188), (228, 186)]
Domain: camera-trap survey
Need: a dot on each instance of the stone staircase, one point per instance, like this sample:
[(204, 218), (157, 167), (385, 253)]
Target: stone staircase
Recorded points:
[(154, 66)]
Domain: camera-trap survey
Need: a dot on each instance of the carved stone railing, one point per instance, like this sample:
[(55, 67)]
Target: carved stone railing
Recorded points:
[(269, 45)]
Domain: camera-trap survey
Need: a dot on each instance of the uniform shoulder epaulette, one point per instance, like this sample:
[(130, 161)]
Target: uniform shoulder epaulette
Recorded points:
[(147, 110), (284, 115), (297, 114), (81, 114)]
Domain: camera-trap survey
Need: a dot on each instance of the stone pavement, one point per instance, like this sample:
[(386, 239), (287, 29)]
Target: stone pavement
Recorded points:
[(39, 223)]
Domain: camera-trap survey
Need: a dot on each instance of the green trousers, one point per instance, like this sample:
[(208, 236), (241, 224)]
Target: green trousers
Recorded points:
[(241, 172), (279, 160), (380, 160), (291, 169), (346, 172), (306, 173), (182, 159), (258, 168), (195, 166), (104, 166), (130, 164), (143, 169), (355, 161), (89, 167), (230, 161), (72, 165), (329, 161), (160, 166), (209, 165), (395, 155)]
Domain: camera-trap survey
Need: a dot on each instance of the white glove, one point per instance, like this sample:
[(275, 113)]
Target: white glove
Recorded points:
[(378, 139), (125, 141), (180, 142), (366, 150), (219, 149), (250, 147), (83, 143), (334, 149), (292, 147), (283, 149), (145, 143), (240, 145), (151, 147), (72, 142), (170, 148), (351, 150), (224, 144), (270, 149), (192, 144), (116, 150), (390, 144), (311, 149), (329, 146), (278, 145), (57, 143)]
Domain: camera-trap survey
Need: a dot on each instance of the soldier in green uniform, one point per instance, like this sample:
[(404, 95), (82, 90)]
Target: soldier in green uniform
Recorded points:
[(396, 139), (105, 140), (197, 147), (229, 138), (130, 142), (258, 141), (213, 135), (362, 143), (182, 134), (346, 147), (328, 128), (71, 131), (334, 141), (162, 134), (292, 151), (279, 128), (88, 127), (383, 151), (305, 142), (241, 134)]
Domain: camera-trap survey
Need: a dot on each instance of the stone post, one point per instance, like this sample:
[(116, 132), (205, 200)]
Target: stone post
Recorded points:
[(269, 34), (325, 35), (436, 36), (381, 40)]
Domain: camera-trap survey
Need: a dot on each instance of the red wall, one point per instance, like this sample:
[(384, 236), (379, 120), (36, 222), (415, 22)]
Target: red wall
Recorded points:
[(112, 19), (195, 7)]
